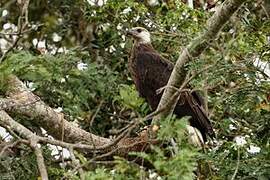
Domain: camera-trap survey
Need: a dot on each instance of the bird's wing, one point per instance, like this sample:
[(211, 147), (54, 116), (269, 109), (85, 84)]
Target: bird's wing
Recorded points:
[(201, 120), (153, 73), (198, 97)]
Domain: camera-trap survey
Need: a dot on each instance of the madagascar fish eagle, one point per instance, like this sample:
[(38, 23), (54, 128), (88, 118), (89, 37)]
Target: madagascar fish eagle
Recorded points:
[(150, 72)]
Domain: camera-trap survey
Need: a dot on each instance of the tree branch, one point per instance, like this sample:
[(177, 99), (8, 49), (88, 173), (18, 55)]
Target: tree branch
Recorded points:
[(45, 116), (7, 121), (76, 163), (6, 103), (41, 164), (26, 103)]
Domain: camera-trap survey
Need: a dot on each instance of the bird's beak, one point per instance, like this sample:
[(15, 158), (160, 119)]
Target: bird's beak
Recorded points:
[(129, 33)]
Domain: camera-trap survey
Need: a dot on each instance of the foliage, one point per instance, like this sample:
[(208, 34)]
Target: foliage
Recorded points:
[(100, 97), (128, 96), (183, 162)]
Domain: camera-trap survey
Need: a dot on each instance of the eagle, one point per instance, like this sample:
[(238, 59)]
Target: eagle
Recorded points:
[(150, 72)]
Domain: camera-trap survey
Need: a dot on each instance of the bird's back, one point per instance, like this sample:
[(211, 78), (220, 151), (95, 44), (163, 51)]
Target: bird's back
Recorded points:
[(150, 72)]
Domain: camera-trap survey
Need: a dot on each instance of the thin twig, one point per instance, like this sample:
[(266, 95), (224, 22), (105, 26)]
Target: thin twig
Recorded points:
[(41, 164), (112, 152), (237, 164), (23, 32), (10, 48), (96, 112), (62, 134), (265, 11), (76, 163), (11, 145), (21, 28)]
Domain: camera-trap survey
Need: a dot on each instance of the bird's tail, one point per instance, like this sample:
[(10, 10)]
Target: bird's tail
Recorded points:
[(203, 123)]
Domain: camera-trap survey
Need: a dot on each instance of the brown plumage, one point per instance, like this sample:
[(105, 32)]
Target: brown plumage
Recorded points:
[(150, 71)]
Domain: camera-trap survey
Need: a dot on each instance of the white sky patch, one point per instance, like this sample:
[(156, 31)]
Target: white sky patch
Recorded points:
[(7, 26), (97, 2), (30, 85), (122, 45), (82, 66), (190, 4), (152, 175), (41, 44), (105, 26), (232, 84), (137, 18), (153, 2), (35, 41), (59, 109), (56, 151), (112, 49), (60, 20), (127, 10), (14, 37), (4, 13), (53, 51), (240, 140), (263, 66), (232, 127), (63, 80), (56, 37), (119, 26), (43, 131), (10, 27), (93, 13), (123, 37), (62, 50), (148, 22), (34, 27), (253, 149), (231, 31), (4, 44), (5, 134)]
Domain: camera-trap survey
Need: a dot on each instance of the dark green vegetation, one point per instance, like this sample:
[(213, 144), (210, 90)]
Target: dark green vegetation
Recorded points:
[(102, 98)]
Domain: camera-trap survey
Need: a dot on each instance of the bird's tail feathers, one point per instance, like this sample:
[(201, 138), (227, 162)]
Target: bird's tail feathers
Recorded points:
[(201, 116)]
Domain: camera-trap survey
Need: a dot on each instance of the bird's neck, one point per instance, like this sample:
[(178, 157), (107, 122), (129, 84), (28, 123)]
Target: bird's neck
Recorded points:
[(145, 40), (143, 46)]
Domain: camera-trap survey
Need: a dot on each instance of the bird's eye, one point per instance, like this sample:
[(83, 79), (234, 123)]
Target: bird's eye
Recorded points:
[(139, 30)]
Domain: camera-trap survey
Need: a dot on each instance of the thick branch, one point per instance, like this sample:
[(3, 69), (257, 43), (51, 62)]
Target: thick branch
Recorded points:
[(45, 116), (194, 49), (6, 103), (26, 103), (7, 121)]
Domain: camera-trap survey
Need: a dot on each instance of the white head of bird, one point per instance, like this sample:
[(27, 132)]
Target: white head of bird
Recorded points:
[(140, 35)]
